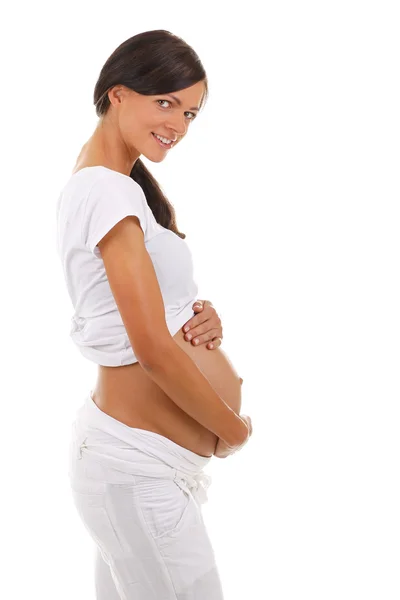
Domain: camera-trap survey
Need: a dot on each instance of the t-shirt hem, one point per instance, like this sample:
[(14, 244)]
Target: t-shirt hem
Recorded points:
[(127, 356)]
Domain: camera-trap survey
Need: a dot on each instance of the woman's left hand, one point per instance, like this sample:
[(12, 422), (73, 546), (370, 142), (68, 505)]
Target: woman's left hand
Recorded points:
[(205, 326)]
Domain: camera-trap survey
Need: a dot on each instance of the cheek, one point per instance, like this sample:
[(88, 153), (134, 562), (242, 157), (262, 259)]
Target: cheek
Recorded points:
[(129, 126), (155, 122)]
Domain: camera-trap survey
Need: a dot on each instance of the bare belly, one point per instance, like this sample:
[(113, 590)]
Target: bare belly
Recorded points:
[(129, 395)]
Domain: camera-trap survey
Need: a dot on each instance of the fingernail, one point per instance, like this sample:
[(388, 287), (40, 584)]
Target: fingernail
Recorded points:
[(196, 341), (186, 328), (189, 337)]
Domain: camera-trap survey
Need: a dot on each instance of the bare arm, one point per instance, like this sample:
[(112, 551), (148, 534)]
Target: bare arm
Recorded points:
[(134, 284), (180, 378)]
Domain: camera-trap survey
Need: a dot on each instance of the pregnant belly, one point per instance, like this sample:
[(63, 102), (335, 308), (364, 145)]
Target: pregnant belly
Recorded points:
[(217, 368), (129, 395)]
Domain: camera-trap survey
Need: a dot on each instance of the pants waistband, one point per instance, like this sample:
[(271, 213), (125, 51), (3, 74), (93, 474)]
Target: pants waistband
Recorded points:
[(137, 451)]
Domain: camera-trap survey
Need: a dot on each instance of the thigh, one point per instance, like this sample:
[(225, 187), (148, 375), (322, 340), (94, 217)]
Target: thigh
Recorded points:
[(190, 560), (161, 547), (176, 526), (105, 585), (115, 524)]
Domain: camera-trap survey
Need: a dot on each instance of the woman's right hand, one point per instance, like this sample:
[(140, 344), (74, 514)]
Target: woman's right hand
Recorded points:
[(222, 450)]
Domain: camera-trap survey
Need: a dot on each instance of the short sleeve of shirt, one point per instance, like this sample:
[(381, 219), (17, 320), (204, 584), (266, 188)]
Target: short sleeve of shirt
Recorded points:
[(110, 199)]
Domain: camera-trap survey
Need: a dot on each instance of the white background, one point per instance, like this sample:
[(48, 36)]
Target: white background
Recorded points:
[(287, 188)]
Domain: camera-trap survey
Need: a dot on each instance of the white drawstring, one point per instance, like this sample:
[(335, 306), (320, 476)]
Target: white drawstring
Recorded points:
[(198, 484)]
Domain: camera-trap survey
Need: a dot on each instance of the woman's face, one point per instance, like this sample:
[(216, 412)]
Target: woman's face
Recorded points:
[(167, 115)]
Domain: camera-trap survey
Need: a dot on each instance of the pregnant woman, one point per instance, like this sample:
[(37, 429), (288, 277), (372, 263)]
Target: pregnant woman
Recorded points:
[(162, 407)]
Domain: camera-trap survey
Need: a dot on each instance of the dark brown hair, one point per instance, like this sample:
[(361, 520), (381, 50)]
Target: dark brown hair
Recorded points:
[(151, 63)]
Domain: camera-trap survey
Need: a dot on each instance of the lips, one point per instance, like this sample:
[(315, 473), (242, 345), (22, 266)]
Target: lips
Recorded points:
[(160, 143), (165, 136)]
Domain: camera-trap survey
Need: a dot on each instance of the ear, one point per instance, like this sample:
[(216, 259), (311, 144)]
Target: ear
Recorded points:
[(114, 95)]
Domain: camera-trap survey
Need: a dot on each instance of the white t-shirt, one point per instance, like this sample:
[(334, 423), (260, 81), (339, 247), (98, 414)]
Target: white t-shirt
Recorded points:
[(93, 200)]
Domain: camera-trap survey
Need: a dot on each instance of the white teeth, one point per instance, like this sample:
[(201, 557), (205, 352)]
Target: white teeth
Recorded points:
[(164, 140)]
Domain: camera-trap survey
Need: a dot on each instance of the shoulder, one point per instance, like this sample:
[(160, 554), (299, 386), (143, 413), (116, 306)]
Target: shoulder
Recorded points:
[(112, 187), (103, 176)]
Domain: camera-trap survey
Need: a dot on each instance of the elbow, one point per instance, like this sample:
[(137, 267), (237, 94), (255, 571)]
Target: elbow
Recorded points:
[(153, 356)]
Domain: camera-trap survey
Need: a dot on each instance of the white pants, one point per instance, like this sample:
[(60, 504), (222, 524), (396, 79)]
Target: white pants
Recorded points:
[(139, 496)]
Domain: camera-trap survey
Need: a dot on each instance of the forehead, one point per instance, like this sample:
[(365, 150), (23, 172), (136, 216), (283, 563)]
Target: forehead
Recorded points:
[(189, 97), (193, 92)]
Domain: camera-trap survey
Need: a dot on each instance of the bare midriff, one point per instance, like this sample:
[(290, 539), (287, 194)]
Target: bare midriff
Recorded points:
[(129, 395)]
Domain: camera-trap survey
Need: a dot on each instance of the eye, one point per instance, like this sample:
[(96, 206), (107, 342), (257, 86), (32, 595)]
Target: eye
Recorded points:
[(187, 112)]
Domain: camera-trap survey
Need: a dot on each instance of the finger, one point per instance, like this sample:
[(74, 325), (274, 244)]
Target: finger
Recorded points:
[(201, 324), (250, 424), (205, 337), (197, 306), (208, 317), (215, 343), (201, 329), (194, 323)]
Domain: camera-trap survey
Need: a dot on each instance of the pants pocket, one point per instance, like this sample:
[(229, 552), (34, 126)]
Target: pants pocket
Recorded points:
[(165, 506)]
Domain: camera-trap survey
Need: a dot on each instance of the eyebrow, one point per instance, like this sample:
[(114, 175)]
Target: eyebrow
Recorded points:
[(178, 101)]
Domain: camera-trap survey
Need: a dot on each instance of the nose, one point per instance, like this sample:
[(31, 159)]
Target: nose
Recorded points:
[(178, 126)]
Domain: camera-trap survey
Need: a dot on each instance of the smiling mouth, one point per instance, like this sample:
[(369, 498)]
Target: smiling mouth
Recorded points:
[(166, 146)]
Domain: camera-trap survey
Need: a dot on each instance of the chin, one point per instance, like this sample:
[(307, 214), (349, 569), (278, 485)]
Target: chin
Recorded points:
[(153, 159)]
